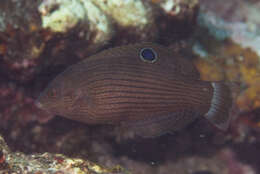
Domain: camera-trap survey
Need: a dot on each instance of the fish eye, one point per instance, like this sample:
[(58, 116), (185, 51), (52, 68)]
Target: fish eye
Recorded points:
[(52, 93), (75, 94), (148, 55), (71, 95)]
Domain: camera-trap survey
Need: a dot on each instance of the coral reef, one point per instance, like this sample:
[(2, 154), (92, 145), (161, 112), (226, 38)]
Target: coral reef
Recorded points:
[(229, 61), (18, 59), (226, 43), (237, 19), (193, 150), (15, 105), (38, 39), (11, 162), (226, 40)]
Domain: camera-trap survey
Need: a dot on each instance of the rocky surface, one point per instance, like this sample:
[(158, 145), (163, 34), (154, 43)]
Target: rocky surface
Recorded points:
[(196, 149), (16, 162)]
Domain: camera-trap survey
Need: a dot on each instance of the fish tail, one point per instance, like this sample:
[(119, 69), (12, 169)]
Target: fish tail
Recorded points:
[(221, 105)]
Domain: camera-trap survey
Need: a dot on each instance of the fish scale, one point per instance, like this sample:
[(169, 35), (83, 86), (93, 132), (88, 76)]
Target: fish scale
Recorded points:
[(146, 88)]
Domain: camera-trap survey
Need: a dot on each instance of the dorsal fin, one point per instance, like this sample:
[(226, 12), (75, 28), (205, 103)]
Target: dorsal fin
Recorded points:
[(179, 63), (129, 50)]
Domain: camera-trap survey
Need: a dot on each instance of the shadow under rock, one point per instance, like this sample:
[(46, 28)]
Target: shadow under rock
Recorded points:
[(197, 139), (248, 151)]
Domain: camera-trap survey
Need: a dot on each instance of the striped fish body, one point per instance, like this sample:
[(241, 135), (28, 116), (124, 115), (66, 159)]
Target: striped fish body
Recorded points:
[(150, 92)]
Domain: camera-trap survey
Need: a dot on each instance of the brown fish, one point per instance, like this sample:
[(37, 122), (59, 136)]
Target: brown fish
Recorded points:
[(143, 87)]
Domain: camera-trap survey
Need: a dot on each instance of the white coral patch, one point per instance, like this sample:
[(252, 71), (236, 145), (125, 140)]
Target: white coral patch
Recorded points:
[(127, 13), (61, 15)]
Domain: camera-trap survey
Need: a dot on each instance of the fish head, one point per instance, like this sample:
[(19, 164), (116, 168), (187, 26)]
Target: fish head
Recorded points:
[(59, 97)]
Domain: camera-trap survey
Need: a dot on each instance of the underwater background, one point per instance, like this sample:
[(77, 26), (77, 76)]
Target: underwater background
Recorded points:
[(39, 39)]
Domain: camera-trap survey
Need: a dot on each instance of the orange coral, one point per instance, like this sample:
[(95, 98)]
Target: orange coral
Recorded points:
[(3, 49), (209, 70)]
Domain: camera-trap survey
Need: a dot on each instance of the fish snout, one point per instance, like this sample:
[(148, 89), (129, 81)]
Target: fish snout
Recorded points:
[(38, 104)]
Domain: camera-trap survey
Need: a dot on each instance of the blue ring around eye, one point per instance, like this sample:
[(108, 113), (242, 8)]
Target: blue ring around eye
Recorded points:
[(148, 55)]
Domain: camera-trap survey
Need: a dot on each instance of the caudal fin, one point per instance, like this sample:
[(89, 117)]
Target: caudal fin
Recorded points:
[(221, 104)]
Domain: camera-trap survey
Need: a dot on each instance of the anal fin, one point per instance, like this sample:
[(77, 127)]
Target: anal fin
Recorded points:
[(160, 124)]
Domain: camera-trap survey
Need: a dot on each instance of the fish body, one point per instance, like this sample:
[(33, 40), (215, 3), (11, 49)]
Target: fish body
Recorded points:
[(143, 87)]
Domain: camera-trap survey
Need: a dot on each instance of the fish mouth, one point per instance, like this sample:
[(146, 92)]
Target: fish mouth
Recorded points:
[(42, 108), (38, 104), (40, 100)]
